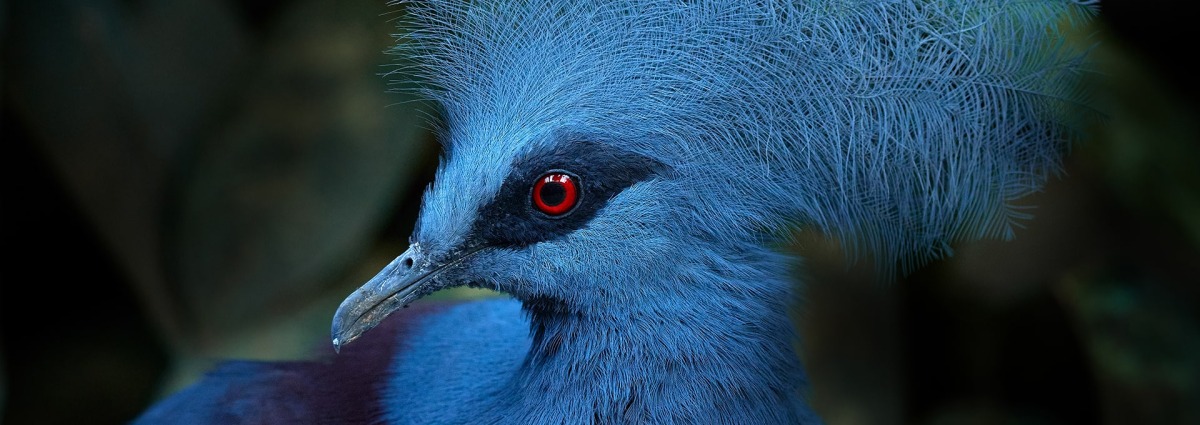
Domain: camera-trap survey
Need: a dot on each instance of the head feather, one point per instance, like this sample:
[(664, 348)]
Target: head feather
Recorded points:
[(898, 127)]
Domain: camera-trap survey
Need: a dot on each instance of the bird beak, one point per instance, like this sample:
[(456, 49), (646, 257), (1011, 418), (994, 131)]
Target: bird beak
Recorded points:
[(401, 282)]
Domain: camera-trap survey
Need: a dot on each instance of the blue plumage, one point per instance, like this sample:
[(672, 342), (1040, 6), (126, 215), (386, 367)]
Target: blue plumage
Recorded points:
[(901, 124), (694, 134)]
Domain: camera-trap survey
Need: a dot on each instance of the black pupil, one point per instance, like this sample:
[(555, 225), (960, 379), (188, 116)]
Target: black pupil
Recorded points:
[(553, 193)]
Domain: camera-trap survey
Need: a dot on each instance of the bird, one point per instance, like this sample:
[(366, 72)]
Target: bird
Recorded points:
[(625, 173)]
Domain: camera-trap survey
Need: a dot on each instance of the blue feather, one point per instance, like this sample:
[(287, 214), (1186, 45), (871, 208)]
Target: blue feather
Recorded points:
[(898, 127), (699, 133)]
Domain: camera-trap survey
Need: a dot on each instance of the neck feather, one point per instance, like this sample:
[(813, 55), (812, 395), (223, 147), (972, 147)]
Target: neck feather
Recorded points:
[(729, 353)]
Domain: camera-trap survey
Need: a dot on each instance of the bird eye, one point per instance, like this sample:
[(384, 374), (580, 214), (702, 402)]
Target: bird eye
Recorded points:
[(556, 193)]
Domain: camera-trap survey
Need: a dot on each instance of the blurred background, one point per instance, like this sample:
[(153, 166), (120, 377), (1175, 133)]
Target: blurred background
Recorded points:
[(192, 180)]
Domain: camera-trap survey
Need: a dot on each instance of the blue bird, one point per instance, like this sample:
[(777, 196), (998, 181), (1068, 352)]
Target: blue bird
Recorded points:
[(625, 170)]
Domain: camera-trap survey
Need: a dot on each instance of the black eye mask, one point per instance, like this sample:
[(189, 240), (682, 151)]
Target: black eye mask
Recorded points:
[(591, 173)]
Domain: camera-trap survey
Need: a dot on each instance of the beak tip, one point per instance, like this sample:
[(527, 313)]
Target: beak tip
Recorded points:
[(391, 289)]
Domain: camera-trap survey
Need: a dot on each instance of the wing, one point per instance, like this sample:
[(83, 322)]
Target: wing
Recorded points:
[(343, 388)]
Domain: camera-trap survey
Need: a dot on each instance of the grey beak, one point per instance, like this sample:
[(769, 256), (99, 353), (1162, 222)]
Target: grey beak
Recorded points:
[(397, 285)]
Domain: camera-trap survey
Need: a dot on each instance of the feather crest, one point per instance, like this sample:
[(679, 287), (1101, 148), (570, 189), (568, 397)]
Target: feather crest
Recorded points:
[(898, 127)]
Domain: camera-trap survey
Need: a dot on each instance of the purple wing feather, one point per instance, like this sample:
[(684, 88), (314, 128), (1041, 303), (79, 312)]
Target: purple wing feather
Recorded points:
[(333, 388)]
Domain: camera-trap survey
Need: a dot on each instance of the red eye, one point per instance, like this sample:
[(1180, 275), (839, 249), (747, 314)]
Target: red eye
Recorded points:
[(555, 193)]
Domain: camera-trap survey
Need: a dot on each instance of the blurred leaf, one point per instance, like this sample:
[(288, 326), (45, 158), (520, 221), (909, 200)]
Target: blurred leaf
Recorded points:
[(1144, 344), (235, 173), (298, 180), (1148, 150), (113, 95)]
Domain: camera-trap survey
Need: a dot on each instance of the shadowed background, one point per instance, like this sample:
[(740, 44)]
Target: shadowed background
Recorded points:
[(192, 180)]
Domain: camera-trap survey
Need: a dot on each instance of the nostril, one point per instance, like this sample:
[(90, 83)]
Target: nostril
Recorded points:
[(408, 262)]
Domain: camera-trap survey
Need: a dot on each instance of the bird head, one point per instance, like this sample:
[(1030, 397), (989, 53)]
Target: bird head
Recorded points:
[(599, 155), (561, 219)]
